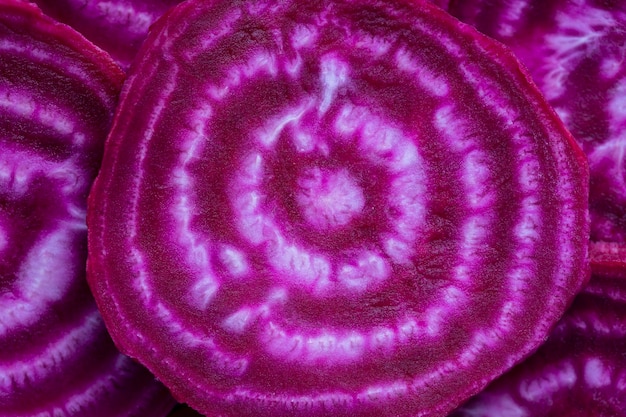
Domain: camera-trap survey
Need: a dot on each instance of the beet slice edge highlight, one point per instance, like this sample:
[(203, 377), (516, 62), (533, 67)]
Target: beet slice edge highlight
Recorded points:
[(581, 370), (58, 93), (574, 52), (117, 26), (352, 208)]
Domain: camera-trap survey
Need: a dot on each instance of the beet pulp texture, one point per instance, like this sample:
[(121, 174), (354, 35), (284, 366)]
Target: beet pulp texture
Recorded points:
[(57, 97), (351, 208), (117, 26), (575, 53), (581, 370)]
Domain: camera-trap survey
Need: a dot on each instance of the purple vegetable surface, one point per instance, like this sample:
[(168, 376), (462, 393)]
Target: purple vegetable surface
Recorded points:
[(581, 370), (347, 208), (57, 97), (117, 26), (575, 53)]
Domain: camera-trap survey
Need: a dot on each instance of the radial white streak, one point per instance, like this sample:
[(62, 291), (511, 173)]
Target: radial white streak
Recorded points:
[(304, 36), (579, 31), (49, 362), (333, 75), (432, 83), (269, 133), (324, 347), (44, 277), (260, 62), (234, 260), (239, 321)]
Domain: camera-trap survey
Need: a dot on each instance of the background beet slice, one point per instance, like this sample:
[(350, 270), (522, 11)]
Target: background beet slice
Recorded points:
[(57, 97), (575, 54), (117, 26), (581, 369), (332, 208)]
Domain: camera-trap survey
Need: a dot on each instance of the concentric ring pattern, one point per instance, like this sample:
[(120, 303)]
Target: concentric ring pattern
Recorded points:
[(581, 369), (117, 26), (57, 97), (346, 208), (575, 53)]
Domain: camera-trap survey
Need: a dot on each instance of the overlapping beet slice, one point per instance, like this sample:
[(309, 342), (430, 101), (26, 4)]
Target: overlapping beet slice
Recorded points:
[(57, 97), (581, 370), (575, 53), (117, 26), (350, 208)]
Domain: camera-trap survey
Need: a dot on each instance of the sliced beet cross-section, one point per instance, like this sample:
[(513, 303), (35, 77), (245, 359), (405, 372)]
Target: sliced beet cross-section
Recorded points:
[(117, 26), (57, 97), (575, 53), (581, 370), (346, 208)]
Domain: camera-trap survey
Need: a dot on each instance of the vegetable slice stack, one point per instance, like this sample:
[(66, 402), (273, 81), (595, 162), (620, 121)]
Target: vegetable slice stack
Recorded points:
[(581, 370), (350, 208), (117, 26), (575, 53), (57, 97)]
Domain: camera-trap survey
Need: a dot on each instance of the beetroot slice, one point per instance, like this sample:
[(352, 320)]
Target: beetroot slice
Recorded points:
[(581, 370), (117, 26), (332, 208), (575, 54), (57, 96)]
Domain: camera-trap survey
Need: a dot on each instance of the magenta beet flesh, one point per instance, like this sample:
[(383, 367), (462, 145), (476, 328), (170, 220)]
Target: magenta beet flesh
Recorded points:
[(57, 97), (575, 54), (117, 26), (351, 208), (581, 370)]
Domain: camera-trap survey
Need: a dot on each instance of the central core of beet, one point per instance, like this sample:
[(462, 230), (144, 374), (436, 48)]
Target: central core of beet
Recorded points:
[(329, 199)]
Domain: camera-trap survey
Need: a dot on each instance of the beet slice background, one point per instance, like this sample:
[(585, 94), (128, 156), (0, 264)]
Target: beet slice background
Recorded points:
[(117, 26), (347, 208), (575, 54), (581, 369), (57, 97)]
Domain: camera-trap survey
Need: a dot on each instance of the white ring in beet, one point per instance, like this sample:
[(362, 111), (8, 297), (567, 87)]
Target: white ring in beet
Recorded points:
[(332, 208), (581, 370), (57, 97), (574, 51)]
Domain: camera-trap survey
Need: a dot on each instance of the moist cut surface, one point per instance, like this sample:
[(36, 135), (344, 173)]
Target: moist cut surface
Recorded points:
[(574, 51), (581, 370), (57, 97), (346, 208)]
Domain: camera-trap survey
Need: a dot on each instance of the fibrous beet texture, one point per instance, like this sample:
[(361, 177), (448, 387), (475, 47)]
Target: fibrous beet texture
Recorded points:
[(332, 208), (57, 96), (117, 26), (581, 370), (575, 53)]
